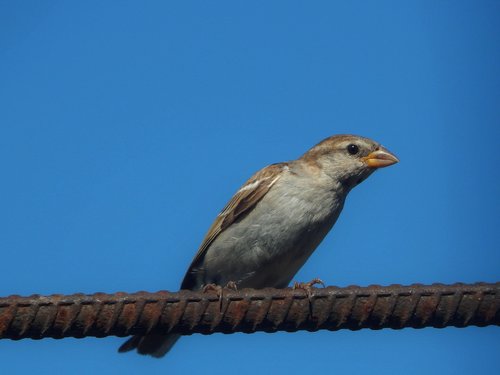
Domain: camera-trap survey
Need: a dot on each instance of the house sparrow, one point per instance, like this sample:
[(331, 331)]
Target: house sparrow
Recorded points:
[(275, 221)]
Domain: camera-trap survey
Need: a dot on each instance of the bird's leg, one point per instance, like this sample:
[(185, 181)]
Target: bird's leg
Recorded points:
[(307, 287)]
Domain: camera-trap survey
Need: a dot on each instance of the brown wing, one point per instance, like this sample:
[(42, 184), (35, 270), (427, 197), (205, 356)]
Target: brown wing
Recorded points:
[(243, 201)]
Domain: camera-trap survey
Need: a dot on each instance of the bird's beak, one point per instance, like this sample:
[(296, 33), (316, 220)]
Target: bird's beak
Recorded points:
[(380, 158)]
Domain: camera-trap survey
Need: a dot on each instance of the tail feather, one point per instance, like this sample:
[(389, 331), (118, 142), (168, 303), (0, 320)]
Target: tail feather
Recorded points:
[(155, 345), (130, 344)]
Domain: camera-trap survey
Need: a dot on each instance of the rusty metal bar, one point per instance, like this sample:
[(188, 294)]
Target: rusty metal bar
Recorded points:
[(249, 310)]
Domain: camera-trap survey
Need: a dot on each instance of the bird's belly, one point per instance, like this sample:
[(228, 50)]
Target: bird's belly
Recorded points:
[(267, 247)]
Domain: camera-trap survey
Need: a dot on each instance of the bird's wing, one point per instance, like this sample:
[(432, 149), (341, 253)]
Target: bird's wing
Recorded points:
[(241, 203)]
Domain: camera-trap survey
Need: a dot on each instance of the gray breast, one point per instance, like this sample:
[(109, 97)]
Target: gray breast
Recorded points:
[(268, 246)]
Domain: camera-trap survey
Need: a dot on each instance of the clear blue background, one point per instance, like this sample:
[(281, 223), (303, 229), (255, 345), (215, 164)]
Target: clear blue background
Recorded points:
[(126, 126)]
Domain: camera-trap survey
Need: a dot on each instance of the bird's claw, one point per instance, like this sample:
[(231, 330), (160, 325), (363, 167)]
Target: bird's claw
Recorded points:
[(231, 285), (219, 290), (211, 288), (307, 287)]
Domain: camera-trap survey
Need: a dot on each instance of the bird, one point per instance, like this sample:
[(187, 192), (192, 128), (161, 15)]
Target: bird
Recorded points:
[(275, 221)]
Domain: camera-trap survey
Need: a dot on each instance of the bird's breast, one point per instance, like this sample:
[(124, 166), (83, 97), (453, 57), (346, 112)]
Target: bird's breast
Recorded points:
[(268, 246)]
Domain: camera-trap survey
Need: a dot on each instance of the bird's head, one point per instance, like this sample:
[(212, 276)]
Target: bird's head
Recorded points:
[(348, 159)]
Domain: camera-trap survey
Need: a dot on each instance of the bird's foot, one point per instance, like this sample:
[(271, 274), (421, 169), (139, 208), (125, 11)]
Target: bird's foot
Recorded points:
[(231, 285), (212, 288), (307, 287), (219, 290)]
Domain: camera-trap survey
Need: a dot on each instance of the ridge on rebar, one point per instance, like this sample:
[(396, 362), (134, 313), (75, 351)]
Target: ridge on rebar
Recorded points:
[(250, 310)]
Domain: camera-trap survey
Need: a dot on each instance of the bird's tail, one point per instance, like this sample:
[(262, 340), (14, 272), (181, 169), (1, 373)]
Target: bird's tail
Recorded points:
[(155, 345)]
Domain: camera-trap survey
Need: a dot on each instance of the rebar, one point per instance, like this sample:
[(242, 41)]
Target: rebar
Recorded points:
[(249, 310)]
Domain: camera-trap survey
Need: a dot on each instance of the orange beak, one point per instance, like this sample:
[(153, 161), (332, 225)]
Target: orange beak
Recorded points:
[(380, 158)]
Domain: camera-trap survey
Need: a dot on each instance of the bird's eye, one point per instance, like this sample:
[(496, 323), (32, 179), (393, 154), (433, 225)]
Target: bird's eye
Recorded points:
[(352, 149)]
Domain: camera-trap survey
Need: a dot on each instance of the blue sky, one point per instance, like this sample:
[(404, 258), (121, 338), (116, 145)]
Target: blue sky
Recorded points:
[(126, 126)]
